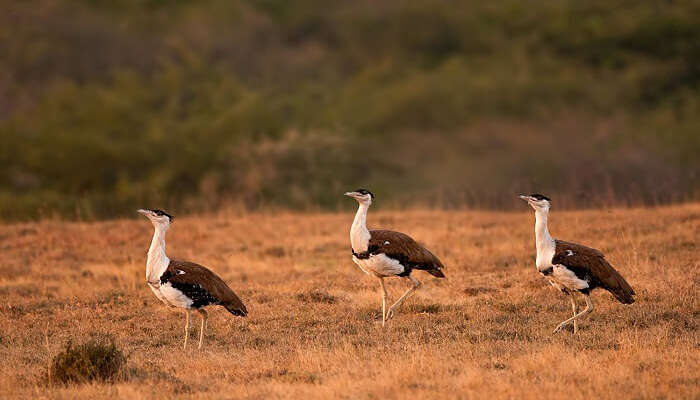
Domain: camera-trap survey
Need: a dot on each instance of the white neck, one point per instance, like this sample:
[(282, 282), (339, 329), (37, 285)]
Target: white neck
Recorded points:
[(543, 240), (359, 234), (542, 236), (157, 261)]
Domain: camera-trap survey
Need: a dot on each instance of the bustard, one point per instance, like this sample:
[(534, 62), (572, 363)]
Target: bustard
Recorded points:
[(386, 253), (185, 284), (571, 267)]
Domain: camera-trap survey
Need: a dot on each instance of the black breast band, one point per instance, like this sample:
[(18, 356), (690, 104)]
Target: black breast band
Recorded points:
[(362, 256)]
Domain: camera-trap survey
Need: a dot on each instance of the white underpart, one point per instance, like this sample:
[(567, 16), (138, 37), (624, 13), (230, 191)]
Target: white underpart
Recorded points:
[(566, 277), (561, 276), (175, 297), (156, 290), (157, 262), (379, 264)]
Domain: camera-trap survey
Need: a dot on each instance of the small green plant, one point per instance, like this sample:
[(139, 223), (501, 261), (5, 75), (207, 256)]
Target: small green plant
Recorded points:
[(90, 361)]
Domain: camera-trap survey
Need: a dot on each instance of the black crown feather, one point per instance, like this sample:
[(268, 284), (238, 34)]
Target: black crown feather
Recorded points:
[(540, 197), (160, 213), (365, 191)]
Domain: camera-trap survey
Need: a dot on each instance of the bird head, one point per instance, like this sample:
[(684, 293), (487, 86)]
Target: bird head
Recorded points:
[(157, 217), (363, 196), (537, 201)]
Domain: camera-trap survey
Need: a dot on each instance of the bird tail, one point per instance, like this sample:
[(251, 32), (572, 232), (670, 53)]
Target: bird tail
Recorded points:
[(436, 273), (622, 290), (431, 264), (236, 309), (625, 294), (234, 305)]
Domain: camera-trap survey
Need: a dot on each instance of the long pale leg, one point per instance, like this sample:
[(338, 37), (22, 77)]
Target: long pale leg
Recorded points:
[(384, 296), (588, 310), (574, 307), (204, 325), (187, 327), (416, 285)]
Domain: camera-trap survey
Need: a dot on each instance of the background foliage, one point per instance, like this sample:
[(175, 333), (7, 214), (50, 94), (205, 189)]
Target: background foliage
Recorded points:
[(107, 106)]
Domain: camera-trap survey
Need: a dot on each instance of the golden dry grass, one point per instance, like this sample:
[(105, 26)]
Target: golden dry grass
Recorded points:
[(313, 329)]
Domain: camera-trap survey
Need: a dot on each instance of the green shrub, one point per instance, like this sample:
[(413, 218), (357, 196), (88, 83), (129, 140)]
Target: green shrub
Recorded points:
[(108, 106), (87, 362)]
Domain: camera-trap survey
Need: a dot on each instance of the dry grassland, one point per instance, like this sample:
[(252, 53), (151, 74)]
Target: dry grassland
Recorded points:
[(314, 325)]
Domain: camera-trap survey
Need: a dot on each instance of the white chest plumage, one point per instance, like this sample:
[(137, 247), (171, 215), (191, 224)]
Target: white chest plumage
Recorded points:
[(545, 253), (544, 258), (156, 290), (155, 267), (359, 234)]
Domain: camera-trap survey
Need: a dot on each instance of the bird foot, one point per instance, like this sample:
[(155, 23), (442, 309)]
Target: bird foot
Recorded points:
[(390, 314), (574, 329)]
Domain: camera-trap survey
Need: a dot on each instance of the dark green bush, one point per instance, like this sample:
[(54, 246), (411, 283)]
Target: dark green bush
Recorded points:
[(108, 106), (87, 362)]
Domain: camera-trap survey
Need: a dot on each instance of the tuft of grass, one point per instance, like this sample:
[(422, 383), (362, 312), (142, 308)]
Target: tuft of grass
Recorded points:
[(275, 252), (427, 308), (288, 376), (474, 291), (90, 361), (316, 296)]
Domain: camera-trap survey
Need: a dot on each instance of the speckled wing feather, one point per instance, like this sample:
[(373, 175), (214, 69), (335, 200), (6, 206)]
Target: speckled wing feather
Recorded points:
[(402, 247), (590, 264), (202, 286)]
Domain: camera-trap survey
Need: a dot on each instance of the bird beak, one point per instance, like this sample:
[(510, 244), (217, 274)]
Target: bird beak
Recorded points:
[(351, 194), (143, 212), (526, 198)]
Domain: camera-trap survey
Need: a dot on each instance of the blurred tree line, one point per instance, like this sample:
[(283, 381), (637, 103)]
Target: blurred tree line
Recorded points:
[(110, 105)]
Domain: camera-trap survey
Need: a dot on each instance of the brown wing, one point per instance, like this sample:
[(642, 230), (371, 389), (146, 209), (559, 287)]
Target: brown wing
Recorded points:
[(403, 248), (202, 286), (587, 262)]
